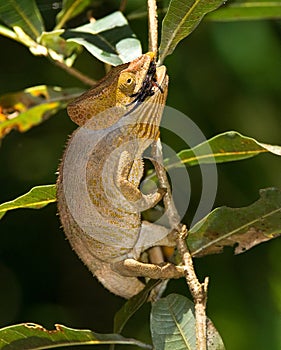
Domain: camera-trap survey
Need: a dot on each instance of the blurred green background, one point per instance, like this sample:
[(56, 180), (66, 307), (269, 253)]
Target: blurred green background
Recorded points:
[(225, 76)]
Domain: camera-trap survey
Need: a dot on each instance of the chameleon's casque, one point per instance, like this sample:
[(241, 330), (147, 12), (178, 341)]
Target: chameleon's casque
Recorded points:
[(99, 200)]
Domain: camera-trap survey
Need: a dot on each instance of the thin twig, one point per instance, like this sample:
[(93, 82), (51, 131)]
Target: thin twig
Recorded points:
[(152, 25), (171, 211), (197, 289), (74, 72), (123, 4)]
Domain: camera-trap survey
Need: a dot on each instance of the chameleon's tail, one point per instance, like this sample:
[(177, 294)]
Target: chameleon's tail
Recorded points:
[(84, 246), (125, 287)]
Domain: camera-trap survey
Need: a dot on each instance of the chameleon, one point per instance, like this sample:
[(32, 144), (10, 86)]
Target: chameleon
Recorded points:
[(98, 194)]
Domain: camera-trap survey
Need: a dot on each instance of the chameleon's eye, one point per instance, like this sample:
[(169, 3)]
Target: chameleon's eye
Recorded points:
[(127, 83)]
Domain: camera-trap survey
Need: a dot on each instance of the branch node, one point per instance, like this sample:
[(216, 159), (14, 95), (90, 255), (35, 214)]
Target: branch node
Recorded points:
[(183, 232)]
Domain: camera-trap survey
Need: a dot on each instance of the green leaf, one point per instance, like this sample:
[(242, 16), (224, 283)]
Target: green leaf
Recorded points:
[(243, 227), (173, 325), (38, 197), (226, 147), (247, 10), (59, 48), (70, 9), (109, 39), (30, 336), (24, 109), (23, 14), (182, 17), (132, 306)]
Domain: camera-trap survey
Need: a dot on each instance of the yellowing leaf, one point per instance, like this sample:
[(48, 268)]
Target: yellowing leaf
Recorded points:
[(24, 109), (24, 121)]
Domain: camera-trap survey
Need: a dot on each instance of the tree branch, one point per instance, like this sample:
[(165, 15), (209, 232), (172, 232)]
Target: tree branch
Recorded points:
[(198, 290), (152, 26)]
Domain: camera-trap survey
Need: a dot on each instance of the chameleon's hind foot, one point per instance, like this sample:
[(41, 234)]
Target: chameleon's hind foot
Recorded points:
[(134, 268)]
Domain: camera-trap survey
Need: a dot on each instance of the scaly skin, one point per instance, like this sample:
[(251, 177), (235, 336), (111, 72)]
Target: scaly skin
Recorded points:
[(99, 200)]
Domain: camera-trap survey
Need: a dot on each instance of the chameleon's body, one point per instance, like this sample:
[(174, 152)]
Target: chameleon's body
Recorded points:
[(98, 197)]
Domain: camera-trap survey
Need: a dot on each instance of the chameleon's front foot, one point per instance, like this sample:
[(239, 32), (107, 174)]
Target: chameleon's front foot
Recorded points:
[(134, 268), (141, 201)]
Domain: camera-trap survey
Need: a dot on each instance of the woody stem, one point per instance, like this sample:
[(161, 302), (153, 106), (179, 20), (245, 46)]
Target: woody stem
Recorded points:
[(152, 25)]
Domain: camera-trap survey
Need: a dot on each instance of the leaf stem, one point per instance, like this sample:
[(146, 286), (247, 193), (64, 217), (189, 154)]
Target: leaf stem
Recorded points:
[(171, 211), (9, 33), (152, 26), (65, 17)]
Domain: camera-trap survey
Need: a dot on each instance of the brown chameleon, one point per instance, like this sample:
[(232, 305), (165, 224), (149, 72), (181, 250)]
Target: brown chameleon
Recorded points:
[(98, 193)]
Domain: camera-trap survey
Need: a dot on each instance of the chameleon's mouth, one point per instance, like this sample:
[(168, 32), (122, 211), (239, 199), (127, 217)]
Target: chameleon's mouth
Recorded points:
[(153, 80)]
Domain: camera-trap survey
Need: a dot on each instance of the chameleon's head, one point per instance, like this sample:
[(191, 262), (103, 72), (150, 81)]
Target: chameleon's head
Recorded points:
[(116, 90), (132, 79)]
